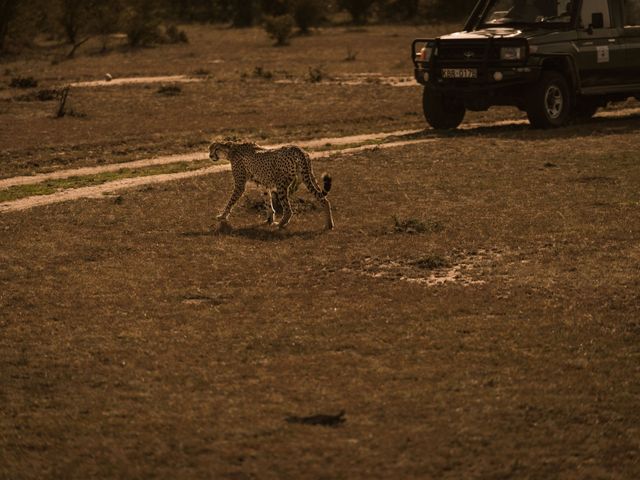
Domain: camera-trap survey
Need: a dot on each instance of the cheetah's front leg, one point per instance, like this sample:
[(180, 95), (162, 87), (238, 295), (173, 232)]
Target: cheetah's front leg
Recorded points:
[(238, 190), (268, 203)]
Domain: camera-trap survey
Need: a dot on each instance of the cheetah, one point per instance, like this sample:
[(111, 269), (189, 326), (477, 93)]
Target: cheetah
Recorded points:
[(271, 169)]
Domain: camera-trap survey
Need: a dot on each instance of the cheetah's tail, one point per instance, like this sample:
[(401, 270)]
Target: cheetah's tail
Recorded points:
[(326, 183)]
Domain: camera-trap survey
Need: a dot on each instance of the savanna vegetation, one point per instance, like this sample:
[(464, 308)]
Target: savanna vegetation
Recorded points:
[(473, 315), (150, 21)]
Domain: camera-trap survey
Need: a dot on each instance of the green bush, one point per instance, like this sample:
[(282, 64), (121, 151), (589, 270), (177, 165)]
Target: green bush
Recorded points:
[(279, 28)]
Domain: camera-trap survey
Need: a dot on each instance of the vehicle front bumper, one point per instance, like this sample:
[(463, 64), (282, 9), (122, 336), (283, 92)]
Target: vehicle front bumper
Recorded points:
[(511, 76)]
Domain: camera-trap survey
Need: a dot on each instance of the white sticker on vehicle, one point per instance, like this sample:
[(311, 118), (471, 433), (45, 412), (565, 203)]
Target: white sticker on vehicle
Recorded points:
[(603, 54)]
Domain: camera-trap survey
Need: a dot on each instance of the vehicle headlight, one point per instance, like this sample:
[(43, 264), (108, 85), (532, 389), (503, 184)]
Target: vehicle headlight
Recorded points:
[(512, 53)]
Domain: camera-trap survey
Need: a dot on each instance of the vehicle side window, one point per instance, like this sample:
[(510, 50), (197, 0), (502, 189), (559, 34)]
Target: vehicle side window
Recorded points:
[(632, 14), (589, 7)]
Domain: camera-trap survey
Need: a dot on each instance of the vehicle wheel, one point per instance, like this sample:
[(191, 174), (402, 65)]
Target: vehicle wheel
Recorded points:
[(440, 111), (548, 101), (585, 108)]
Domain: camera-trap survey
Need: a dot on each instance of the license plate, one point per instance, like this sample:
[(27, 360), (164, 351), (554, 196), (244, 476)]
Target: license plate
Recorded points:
[(459, 73)]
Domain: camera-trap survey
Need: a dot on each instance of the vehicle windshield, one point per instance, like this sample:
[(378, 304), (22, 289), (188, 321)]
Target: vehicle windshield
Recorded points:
[(524, 12)]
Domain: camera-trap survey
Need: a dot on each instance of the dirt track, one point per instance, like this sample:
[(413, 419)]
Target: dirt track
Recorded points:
[(329, 142), (100, 190)]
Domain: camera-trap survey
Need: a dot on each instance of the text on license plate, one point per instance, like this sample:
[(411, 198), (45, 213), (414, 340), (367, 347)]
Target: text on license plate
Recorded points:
[(459, 73)]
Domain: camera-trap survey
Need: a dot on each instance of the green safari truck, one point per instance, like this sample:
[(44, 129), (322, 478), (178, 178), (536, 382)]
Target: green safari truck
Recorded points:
[(556, 60)]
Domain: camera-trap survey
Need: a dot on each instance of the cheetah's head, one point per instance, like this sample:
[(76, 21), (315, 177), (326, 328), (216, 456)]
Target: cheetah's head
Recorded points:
[(219, 150)]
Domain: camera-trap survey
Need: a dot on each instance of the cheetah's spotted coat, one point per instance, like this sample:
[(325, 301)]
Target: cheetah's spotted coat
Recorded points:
[(272, 169)]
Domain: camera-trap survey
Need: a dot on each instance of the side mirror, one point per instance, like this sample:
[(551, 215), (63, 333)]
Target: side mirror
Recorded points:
[(597, 21)]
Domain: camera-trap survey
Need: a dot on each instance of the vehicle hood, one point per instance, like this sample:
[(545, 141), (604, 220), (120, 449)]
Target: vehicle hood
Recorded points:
[(501, 32)]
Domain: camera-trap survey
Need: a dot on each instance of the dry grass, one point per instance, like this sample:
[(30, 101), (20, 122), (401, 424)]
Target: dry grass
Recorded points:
[(138, 341), (475, 312), (51, 186), (122, 123)]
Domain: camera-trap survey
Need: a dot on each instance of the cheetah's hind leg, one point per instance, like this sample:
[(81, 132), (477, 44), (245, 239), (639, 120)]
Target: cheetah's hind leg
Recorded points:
[(283, 197)]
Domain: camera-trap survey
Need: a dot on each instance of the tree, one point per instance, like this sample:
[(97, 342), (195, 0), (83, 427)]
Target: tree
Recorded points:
[(242, 13), (141, 22), (359, 9), (75, 20), (106, 19), (274, 8), (279, 28), (8, 9), (307, 13), (400, 9), (73, 15), (197, 10), (450, 10)]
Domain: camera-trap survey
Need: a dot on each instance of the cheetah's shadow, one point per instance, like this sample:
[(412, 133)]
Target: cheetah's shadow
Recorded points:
[(261, 233)]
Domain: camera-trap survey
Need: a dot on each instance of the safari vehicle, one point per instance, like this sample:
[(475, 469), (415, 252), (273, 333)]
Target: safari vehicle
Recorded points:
[(555, 59)]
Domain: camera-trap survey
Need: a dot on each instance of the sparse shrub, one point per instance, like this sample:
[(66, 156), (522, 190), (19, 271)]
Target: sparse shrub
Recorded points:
[(169, 90), (351, 55), (63, 95), (414, 225), (45, 95), (279, 28), (175, 35), (316, 74), (23, 82), (260, 72), (432, 262)]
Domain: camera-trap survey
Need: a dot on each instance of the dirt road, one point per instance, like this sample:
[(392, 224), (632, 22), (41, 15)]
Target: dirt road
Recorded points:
[(330, 146)]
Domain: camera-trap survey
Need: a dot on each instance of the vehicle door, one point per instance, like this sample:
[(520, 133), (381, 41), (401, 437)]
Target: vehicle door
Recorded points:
[(632, 41), (601, 52)]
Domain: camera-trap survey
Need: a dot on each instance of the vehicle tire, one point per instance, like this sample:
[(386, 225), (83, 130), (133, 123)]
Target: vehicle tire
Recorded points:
[(440, 111), (585, 108), (548, 101)]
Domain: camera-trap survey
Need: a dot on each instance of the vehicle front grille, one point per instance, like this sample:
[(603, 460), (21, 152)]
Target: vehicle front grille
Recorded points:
[(467, 53)]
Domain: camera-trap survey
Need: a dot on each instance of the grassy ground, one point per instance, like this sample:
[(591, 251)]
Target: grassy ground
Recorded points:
[(51, 186), (113, 124), (475, 312), (139, 341)]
